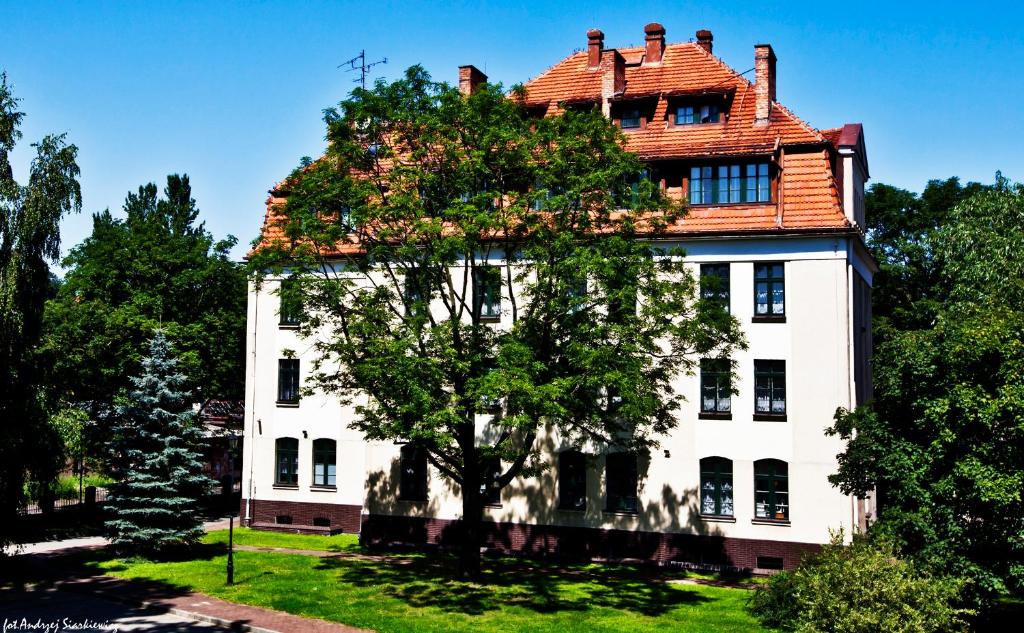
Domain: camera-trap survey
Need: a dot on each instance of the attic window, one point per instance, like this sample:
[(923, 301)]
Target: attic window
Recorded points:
[(631, 118), (695, 114)]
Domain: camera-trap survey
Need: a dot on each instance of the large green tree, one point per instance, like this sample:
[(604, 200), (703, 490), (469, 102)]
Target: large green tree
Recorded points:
[(901, 227), (943, 442), (157, 267), (29, 238), (433, 193)]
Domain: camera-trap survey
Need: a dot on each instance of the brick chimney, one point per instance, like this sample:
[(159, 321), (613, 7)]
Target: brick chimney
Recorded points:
[(470, 79), (655, 37), (764, 81), (595, 45), (613, 78), (705, 39)]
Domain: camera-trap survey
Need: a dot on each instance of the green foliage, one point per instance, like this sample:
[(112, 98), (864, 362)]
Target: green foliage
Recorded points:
[(438, 189), (943, 442), (156, 461), (29, 238), (155, 268), (907, 290), (861, 587)]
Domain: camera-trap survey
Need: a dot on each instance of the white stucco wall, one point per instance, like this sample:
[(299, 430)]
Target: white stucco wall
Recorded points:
[(814, 341)]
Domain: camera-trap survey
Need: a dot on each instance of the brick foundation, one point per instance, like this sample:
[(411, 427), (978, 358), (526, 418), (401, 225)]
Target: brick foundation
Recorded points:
[(575, 543), (305, 517), (563, 542)]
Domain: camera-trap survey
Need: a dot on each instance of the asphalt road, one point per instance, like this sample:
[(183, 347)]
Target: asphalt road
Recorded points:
[(52, 611)]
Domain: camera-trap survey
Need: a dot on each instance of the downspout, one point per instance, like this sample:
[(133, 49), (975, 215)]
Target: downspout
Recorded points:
[(851, 386), (252, 417), (782, 187)]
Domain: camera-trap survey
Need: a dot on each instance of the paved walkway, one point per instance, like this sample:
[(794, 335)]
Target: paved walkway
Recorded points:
[(62, 611), (93, 542), (52, 576), (200, 607)]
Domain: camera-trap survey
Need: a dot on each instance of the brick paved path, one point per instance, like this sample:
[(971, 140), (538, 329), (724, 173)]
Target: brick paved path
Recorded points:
[(197, 606), (50, 569)]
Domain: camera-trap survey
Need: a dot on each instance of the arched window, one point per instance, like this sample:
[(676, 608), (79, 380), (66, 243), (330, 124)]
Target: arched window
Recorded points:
[(287, 449), (771, 490), (716, 486), (325, 458), (412, 485), (572, 480)]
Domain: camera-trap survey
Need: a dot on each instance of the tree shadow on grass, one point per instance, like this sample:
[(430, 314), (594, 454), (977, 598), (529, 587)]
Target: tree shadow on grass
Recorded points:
[(433, 581)]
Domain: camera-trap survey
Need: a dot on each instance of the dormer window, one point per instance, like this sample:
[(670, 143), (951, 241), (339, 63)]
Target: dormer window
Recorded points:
[(631, 118), (730, 184), (694, 114)]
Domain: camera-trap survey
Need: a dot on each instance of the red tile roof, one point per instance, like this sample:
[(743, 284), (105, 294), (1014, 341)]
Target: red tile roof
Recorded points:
[(807, 194)]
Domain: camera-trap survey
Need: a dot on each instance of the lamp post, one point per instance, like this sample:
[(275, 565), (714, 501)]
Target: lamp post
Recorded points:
[(232, 445)]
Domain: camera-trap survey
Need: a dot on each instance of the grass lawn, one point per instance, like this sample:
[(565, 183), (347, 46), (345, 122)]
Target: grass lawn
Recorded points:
[(258, 538), (422, 593)]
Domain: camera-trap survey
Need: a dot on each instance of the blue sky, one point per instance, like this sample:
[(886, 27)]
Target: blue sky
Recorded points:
[(232, 93)]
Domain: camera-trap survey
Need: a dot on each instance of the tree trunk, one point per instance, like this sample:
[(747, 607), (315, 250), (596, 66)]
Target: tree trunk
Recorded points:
[(472, 514)]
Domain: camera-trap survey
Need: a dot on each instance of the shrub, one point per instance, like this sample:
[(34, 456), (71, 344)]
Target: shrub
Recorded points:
[(861, 587)]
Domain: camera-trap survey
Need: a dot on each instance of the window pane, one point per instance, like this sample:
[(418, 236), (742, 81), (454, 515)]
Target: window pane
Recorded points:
[(708, 497), (778, 299), (761, 297), (726, 507)]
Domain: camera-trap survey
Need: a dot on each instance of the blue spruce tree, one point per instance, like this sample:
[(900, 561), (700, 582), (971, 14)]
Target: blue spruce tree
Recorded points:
[(156, 461)]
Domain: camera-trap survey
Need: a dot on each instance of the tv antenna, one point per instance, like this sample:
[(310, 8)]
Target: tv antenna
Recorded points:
[(362, 67)]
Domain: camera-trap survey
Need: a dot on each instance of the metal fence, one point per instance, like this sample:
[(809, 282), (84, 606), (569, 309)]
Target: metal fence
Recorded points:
[(64, 504)]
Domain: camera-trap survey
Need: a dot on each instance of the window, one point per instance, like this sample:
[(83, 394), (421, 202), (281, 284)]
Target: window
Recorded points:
[(771, 490), (572, 480), (287, 449), (631, 118), (288, 381), (629, 195), (691, 114), (290, 310), (769, 388), (325, 455), (769, 290), (622, 295), (487, 292), (714, 284), (729, 184), (715, 387), (489, 491), (344, 217), (418, 291), (576, 294), (716, 486), (412, 485), (621, 475)]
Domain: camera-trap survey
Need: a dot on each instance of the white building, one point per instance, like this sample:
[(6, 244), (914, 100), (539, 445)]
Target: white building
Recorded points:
[(776, 211)]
